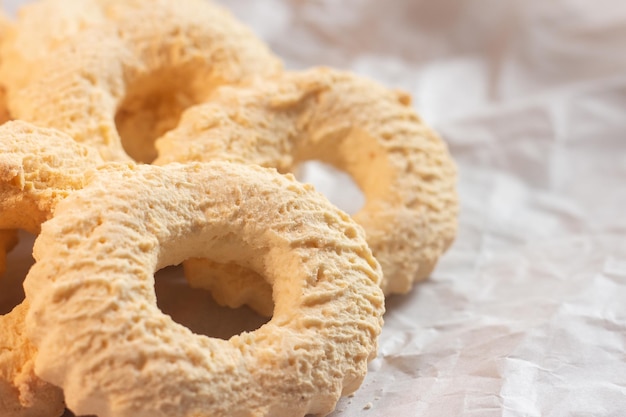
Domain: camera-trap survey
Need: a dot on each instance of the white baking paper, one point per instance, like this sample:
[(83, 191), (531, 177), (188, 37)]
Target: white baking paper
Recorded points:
[(526, 314)]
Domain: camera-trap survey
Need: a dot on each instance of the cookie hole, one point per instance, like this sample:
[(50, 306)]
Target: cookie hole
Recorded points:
[(68, 413), (18, 262), (153, 105), (195, 308), (338, 186)]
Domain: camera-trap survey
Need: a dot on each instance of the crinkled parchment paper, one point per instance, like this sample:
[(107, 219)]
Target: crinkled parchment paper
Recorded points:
[(526, 314)]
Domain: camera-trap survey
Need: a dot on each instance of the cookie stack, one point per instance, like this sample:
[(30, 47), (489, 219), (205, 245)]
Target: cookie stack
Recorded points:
[(152, 133)]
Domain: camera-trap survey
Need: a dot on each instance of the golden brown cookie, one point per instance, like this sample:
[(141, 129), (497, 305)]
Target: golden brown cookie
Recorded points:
[(38, 168), (153, 59), (402, 166), (102, 338)]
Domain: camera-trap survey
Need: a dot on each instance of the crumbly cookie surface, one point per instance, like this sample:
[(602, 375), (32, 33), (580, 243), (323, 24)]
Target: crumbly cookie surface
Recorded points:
[(38, 168), (153, 60), (93, 298), (402, 166)]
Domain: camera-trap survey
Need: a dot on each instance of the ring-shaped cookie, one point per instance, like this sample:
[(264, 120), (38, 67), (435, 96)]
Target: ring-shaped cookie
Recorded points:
[(402, 166), (103, 339), (38, 168), (120, 84)]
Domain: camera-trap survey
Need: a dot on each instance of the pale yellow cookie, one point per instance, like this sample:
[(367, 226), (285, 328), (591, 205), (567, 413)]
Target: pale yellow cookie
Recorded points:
[(38, 168), (103, 339), (120, 84), (402, 166)]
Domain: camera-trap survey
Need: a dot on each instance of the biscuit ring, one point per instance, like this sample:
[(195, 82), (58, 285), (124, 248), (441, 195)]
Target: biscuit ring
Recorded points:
[(153, 59), (402, 166), (38, 168), (93, 300)]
